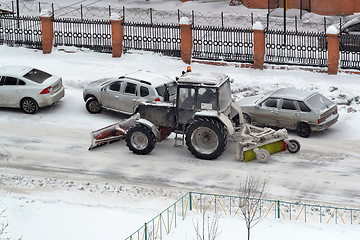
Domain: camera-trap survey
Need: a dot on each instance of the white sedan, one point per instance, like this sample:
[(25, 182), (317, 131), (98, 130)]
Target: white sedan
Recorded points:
[(28, 88)]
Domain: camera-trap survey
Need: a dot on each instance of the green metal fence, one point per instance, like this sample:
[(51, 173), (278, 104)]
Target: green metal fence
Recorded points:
[(163, 223)]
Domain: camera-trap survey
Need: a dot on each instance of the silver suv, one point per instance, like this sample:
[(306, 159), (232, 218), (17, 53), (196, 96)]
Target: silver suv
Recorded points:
[(291, 108), (124, 94)]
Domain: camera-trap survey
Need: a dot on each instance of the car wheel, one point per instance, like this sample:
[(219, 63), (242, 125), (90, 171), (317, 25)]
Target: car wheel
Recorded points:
[(206, 138), (93, 106), (29, 105), (247, 118), (140, 139), (303, 129), (294, 146)]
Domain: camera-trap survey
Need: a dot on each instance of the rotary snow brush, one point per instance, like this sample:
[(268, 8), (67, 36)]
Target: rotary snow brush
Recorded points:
[(259, 143)]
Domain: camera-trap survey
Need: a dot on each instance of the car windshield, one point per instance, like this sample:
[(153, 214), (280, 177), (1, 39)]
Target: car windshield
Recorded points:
[(319, 102), (171, 87), (37, 75)]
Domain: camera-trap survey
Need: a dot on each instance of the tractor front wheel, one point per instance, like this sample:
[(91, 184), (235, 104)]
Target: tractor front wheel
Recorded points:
[(206, 138), (140, 139)]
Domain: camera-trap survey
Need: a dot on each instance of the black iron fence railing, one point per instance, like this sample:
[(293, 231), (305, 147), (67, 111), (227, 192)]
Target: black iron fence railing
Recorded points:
[(349, 51), (297, 48), (159, 38), (92, 34), (227, 44), (21, 31)]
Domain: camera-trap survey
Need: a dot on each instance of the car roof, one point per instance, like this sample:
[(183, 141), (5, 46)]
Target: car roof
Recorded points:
[(15, 70), (203, 78), (152, 78), (351, 22), (292, 93)]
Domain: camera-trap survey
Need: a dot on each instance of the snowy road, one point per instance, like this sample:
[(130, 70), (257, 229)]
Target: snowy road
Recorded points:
[(57, 149), (52, 144)]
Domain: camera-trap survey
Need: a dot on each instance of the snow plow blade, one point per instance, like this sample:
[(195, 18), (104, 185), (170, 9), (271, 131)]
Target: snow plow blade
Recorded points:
[(112, 132)]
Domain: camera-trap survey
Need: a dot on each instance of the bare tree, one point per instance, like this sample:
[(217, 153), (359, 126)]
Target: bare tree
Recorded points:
[(251, 194), (3, 225), (209, 229)]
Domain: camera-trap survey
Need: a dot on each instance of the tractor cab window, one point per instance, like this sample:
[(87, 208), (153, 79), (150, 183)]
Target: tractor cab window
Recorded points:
[(187, 98), (207, 98), (224, 96)]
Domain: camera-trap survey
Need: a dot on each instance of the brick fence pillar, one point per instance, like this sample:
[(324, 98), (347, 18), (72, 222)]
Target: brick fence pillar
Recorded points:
[(259, 45), (117, 34), (332, 34), (186, 40), (47, 31)]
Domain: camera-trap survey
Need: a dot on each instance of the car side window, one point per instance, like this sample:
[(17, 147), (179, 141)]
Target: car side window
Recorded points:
[(354, 28), (144, 91), (115, 86), (10, 81), (288, 105), (130, 88), (21, 82), (303, 107), (270, 102), (1, 80)]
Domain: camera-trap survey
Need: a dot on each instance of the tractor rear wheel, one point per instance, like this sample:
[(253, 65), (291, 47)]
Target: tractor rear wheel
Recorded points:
[(140, 139), (206, 138)]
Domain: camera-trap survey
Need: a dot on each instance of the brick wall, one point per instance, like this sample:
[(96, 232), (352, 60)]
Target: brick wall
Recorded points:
[(322, 7)]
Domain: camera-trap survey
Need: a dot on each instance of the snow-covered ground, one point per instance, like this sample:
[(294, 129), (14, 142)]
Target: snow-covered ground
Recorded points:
[(52, 187)]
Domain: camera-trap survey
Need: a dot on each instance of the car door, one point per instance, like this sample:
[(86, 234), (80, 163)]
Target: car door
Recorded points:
[(111, 94), (289, 114), (10, 92), (129, 98), (266, 113)]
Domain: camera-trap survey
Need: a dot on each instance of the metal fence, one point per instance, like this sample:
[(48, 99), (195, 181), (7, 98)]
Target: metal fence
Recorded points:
[(349, 51), (97, 10), (92, 34), (163, 223), (159, 38), (22, 31), (297, 48), (227, 44)]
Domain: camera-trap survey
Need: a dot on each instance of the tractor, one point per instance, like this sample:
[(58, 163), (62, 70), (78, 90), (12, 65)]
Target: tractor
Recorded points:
[(203, 116)]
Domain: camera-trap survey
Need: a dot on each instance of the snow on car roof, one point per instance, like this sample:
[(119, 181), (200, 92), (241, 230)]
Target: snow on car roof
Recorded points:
[(292, 93), (15, 70), (206, 78), (155, 79)]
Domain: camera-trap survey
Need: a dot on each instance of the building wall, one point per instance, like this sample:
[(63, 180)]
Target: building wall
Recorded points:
[(322, 7)]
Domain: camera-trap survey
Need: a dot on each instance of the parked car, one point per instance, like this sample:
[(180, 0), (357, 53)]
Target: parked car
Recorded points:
[(29, 88), (124, 94), (303, 111), (350, 36)]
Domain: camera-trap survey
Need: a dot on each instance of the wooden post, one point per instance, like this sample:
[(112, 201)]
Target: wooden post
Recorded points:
[(47, 31), (117, 34), (332, 34), (186, 40), (259, 45)]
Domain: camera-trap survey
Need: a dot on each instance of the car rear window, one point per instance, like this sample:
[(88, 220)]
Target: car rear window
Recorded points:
[(171, 87), (37, 75), (319, 102)]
